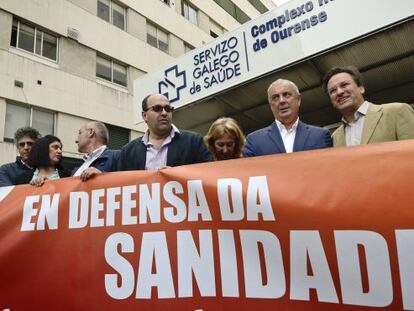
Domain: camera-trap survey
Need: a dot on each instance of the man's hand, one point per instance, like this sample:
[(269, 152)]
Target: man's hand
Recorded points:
[(90, 172)]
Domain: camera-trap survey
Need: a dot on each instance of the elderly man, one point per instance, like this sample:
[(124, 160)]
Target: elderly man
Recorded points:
[(287, 134), (24, 138), (163, 144), (362, 121), (92, 140)]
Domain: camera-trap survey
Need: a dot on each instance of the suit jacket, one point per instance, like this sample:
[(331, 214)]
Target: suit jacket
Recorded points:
[(106, 162), (10, 172), (268, 140), (185, 148), (387, 122)]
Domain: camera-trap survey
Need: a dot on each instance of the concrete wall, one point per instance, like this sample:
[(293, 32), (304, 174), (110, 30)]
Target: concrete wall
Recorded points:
[(136, 25), (77, 59), (5, 29)]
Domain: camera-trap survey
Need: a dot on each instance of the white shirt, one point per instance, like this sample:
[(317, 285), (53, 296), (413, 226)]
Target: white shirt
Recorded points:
[(288, 136), (157, 158), (89, 158), (353, 130)]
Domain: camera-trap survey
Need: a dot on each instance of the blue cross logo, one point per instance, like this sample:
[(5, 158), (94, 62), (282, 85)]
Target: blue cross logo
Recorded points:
[(174, 81)]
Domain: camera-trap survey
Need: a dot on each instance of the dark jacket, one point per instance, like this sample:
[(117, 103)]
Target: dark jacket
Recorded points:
[(107, 161), (10, 172), (185, 148), (268, 140)]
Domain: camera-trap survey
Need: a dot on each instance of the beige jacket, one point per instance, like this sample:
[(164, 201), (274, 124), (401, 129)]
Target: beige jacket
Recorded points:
[(387, 122)]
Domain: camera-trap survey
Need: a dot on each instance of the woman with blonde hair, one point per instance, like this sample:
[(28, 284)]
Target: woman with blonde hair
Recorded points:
[(225, 139)]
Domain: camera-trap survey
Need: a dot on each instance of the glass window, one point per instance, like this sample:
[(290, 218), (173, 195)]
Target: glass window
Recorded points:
[(13, 40), (43, 121), (26, 38), (190, 13), (157, 38), (112, 13), (233, 10), (103, 9), (162, 40), (118, 16), (18, 116), (111, 70), (49, 47), (259, 6), (120, 74), (152, 35), (34, 40), (103, 68)]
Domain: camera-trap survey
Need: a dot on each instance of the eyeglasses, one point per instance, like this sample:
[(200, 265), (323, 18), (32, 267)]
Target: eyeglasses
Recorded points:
[(23, 143), (159, 108)]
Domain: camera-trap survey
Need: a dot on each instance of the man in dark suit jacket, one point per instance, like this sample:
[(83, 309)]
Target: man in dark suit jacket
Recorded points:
[(163, 145), (92, 140), (287, 134)]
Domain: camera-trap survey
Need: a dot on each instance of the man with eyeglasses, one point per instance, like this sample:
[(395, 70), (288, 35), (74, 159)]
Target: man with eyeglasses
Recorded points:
[(24, 137), (162, 145)]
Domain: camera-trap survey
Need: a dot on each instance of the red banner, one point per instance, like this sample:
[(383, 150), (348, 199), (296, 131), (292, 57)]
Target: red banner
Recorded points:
[(311, 230)]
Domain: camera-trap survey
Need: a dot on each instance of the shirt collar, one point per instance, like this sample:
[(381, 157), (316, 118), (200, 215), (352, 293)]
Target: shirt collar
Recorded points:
[(361, 112), (97, 151), (173, 132), (282, 127)]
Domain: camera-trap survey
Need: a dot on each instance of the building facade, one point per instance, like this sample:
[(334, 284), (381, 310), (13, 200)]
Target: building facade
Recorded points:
[(65, 62)]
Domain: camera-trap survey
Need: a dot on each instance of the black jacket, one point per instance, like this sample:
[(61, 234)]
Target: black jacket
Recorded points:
[(10, 172), (185, 148)]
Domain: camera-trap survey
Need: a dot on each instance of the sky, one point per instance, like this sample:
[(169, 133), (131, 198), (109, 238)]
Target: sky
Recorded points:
[(279, 2)]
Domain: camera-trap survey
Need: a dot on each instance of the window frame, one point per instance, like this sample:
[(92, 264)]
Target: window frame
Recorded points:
[(186, 7), (111, 14), (112, 62), (157, 37), (31, 110), (35, 34)]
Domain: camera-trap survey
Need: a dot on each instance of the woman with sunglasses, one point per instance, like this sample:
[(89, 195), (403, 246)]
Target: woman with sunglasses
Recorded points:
[(225, 139), (46, 157)]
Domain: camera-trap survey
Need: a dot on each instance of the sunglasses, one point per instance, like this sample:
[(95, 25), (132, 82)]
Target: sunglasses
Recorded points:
[(23, 143), (159, 108)]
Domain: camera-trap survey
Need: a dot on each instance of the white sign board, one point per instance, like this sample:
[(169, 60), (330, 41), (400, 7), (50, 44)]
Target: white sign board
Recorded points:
[(278, 38)]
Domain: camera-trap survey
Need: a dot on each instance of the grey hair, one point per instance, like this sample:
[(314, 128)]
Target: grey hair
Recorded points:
[(101, 131), (279, 81)]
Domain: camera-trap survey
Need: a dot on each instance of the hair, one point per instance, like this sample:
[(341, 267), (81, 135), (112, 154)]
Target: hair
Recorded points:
[(351, 70), (225, 126), (26, 131), (39, 154), (101, 131), (145, 102), (278, 81)]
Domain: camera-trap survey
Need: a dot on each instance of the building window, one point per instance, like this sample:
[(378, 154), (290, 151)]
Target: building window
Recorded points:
[(111, 70), (157, 38), (112, 12), (190, 13), (213, 34), (233, 10), (34, 40), (258, 5), (18, 116)]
